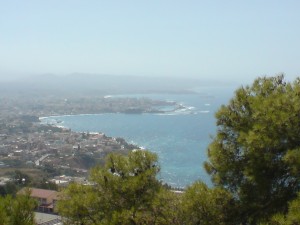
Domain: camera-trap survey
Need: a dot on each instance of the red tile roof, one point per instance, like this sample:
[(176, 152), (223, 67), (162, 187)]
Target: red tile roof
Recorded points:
[(41, 193)]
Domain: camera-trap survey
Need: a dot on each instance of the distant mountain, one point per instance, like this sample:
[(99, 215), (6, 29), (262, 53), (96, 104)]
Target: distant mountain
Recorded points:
[(103, 84)]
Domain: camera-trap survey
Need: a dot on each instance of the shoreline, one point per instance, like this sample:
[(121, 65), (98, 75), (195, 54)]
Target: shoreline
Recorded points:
[(90, 132), (137, 146), (58, 121), (176, 111)]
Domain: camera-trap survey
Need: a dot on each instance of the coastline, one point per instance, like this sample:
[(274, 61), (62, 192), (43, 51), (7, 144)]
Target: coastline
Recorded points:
[(179, 109), (57, 124), (157, 143)]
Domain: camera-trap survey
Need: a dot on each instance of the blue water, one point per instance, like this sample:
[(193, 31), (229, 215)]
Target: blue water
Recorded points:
[(180, 139)]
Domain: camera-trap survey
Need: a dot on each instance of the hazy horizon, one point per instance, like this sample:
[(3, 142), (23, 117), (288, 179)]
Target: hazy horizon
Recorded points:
[(232, 41)]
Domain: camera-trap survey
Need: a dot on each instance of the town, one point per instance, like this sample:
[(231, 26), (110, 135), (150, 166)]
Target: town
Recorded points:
[(47, 153), (56, 151)]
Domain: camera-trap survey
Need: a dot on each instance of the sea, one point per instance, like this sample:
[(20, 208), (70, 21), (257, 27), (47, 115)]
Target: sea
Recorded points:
[(180, 139)]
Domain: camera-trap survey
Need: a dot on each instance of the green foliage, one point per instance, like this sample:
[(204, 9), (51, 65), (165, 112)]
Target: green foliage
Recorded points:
[(80, 205), (48, 185), (4, 217), (20, 178), (165, 208), (126, 191), (50, 170), (18, 210), (292, 217), (123, 192), (86, 160), (9, 188), (205, 206), (255, 154)]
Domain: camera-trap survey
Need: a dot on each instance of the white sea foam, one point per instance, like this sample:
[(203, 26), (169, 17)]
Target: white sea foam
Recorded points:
[(177, 138), (204, 111), (166, 114)]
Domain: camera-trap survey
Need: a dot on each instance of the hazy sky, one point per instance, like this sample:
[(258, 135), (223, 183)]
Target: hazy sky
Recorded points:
[(236, 40)]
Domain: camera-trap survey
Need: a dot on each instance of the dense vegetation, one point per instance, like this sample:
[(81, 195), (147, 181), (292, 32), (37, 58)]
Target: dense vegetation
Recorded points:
[(126, 191), (254, 162), (255, 154), (17, 211)]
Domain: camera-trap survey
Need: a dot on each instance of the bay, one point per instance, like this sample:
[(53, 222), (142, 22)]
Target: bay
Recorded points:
[(180, 139)]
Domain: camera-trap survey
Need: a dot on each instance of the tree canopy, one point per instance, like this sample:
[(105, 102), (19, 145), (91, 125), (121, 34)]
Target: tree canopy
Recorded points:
[(207, 206), (126, 191), (18, 210), (122, 190), (255, 153)]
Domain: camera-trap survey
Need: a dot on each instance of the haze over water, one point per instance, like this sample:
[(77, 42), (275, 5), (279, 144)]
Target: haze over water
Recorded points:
[(180, 139)]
